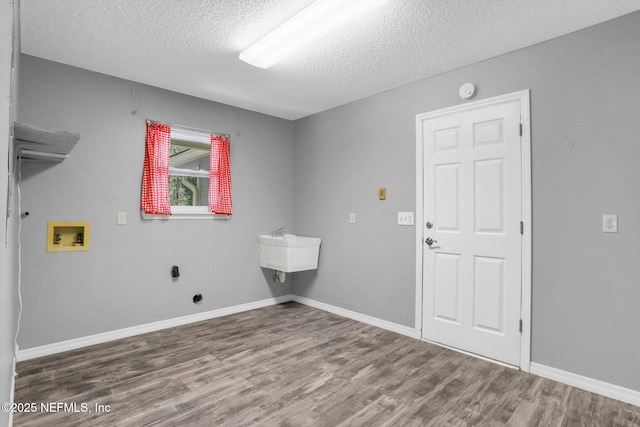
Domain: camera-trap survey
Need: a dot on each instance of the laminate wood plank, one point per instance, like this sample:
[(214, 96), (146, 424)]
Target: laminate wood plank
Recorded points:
[(292, 365)]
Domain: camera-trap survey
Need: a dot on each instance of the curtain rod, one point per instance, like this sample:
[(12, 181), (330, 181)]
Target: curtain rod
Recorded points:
[(189, 128)]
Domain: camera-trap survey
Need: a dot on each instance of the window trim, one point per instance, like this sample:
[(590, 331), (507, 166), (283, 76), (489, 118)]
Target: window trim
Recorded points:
[(187, 212), (202, 173), (198, 137)]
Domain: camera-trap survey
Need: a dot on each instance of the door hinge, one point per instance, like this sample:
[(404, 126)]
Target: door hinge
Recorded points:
[(521, 227), (520, 129), (520, 326)]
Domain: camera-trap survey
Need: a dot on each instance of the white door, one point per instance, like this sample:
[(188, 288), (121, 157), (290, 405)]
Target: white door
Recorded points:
[(472, 211)]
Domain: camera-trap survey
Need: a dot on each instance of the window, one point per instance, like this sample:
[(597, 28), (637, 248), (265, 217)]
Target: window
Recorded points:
[(189, 168), (186, 175)]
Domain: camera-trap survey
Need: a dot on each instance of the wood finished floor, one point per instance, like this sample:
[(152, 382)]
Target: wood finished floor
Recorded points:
[(291, 365)]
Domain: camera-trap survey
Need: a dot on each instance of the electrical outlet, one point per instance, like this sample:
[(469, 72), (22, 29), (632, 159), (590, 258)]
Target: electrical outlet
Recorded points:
[(405, 218), (609, 223), (352, 218)]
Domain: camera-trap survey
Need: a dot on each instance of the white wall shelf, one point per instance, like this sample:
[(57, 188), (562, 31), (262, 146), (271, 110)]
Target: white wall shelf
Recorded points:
[(33, 143)]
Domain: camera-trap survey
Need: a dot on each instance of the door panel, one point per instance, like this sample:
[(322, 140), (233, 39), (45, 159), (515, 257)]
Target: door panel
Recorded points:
[(472, 197), (489, 196), (447, 190), (488, 294), (446, 139), (447, 278), (488, 133)]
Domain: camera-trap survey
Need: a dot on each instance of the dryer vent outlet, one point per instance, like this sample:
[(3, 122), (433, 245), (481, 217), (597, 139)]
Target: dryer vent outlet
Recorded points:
[(197, 298)]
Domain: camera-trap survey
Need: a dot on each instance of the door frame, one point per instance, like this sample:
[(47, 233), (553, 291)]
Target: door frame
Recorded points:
[(523, 97)]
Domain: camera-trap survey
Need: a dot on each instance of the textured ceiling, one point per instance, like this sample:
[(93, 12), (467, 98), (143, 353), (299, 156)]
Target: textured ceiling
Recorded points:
[(192, 46)]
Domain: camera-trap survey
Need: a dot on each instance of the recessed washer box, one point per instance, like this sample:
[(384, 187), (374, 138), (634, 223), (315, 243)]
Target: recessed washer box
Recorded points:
[(67, 236)]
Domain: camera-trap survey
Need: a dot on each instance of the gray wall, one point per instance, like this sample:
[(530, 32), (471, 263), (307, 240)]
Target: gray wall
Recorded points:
[(124, 279), (8, 247), (585, 157)]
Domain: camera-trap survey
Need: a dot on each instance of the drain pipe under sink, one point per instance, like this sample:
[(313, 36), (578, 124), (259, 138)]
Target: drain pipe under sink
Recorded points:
[(279, 276)]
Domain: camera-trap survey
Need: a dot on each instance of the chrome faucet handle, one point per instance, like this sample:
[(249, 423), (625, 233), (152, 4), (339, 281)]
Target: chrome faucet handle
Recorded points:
[(279, 232)]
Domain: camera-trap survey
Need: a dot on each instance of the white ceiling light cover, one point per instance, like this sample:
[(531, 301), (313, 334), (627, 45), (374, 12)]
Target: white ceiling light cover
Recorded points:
[(308, 26)]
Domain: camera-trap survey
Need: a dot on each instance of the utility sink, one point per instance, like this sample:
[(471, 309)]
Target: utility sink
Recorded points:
[(289, 253)]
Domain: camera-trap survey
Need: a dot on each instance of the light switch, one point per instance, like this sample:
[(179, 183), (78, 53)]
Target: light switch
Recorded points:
[(610, 223), (405, 218), (122, 218)]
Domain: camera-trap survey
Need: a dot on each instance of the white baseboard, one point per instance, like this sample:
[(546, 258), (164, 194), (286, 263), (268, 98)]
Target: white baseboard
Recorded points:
[(373, 321), (59, 347), (585, 383)]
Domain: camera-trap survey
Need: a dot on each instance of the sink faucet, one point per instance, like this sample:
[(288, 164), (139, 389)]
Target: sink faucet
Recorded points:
[(279, 232)]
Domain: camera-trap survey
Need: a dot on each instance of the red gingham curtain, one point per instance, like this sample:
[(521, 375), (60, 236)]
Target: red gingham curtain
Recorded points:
[(155, 176), (220, 176)]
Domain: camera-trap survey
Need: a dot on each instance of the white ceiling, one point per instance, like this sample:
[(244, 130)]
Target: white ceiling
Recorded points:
[(192, 46)]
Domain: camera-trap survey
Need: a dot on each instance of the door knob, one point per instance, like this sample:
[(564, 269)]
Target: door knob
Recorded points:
[(430, 241)]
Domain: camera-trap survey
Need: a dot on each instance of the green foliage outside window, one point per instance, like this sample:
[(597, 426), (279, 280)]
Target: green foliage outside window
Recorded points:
[(187, 190), (180, 194)]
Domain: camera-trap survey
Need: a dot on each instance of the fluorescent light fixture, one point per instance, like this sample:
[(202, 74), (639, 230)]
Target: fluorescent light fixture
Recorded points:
[(311, 24)]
